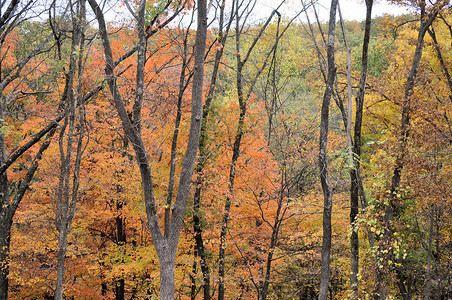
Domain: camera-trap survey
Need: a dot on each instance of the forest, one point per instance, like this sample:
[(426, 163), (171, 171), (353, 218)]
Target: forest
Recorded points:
[(188, 149)]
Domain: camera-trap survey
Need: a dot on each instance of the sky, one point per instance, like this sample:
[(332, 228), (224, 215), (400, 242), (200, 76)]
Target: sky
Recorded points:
[(351, 9)]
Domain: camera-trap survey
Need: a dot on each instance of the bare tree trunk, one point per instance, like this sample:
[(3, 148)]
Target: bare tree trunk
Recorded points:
[(323, 163), (9, 207), (121, 240), (235, 156), (354, 240), (182, 87), (440, 57), (167, 276), (278, 219), (280, 214), (9, 201), (5, 218)]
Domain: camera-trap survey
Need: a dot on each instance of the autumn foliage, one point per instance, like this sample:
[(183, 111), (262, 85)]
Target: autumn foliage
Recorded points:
[(274, 234)]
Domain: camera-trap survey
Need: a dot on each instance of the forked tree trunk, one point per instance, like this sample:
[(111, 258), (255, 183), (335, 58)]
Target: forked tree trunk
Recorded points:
[(67, 193)]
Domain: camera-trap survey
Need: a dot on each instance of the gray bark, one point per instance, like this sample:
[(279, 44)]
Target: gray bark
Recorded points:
[(183, 82)]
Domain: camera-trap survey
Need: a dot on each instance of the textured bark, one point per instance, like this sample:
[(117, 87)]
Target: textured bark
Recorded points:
[(5, 218), (323, 163), (62, 246), (5, 232), (439, 55), (121, 239)]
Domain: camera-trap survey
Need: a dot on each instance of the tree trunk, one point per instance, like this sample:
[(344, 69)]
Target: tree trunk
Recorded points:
[(284, 190), (7, 209), (242, 99), (167, 276), (5, 232), (202, 157), (235, 156), (354, 192), (67, 193), (62, 246), (120, 240), (323, 163), (5, 219), (355, 180), (428, 279)]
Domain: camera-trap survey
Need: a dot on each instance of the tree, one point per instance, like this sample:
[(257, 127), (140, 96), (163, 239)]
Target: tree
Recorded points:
[(356, 183), (223, 31), (165, 244), (323, 165), (67, 194)]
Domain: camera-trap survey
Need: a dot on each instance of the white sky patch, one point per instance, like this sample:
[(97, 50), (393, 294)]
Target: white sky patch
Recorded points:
[(351, 9)]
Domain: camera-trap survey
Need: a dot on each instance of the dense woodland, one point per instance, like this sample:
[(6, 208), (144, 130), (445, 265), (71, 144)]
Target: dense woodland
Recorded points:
[(199, 150)]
